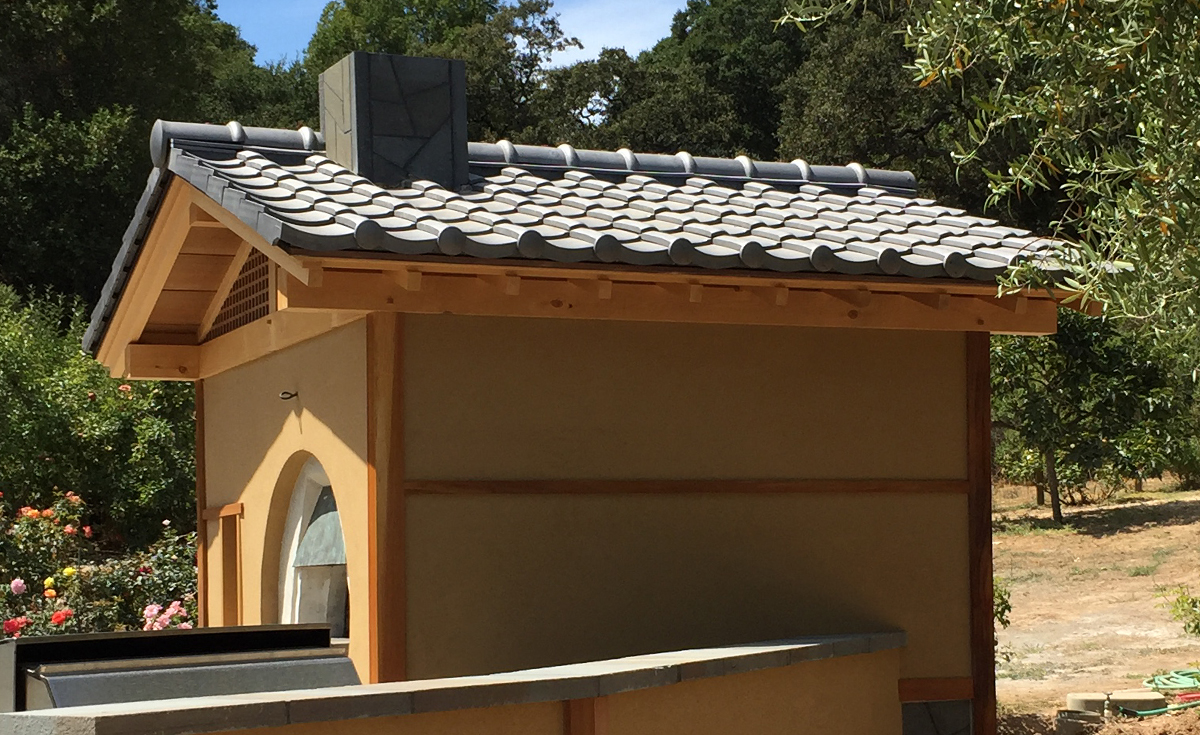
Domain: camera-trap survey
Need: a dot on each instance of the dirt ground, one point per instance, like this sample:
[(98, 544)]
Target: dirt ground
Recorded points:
[(1088, 602)]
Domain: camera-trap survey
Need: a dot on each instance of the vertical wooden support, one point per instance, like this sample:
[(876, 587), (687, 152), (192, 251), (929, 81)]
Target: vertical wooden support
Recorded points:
[(201, 504), (231, 569), (387, 616), (979, 510), (585, 716)]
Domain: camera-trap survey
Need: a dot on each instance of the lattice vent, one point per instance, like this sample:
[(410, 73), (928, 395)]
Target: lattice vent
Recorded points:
[(248, 300)]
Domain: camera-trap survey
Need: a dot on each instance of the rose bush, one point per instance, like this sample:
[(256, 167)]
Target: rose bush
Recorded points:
[(59, 582)]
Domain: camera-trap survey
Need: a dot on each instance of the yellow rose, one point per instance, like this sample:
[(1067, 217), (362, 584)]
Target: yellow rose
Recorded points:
[(49, 583), (69, 572)]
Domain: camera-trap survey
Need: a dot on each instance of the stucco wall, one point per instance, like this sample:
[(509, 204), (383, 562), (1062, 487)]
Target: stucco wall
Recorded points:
[(855, 695), (548, 399), (842, 696), (525, 719), (506, 582), (510, 582), (256, 443)]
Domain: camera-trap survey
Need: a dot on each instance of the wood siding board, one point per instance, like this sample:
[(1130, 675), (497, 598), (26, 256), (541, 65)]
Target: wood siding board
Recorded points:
[(197, 272), (179, 308), (979, 509)]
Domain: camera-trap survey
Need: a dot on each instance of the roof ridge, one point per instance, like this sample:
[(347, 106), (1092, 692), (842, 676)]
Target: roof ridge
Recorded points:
[(623, 161), (564, 157)]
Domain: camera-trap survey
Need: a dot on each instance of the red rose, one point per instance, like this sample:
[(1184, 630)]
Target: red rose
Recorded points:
[(69, 529), (87, 531), (61, 616), (13, 626)]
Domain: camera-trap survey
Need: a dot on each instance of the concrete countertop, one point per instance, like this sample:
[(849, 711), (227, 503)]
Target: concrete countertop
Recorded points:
[(555, 683)]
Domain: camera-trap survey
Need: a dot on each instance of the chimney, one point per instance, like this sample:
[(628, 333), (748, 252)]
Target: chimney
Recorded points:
[(395, 118)]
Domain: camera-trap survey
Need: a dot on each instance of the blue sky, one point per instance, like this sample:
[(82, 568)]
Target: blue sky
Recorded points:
[(281, 28)]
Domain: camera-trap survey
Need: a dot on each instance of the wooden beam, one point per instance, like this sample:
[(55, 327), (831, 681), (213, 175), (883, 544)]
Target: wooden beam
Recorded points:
[(266, 336), (936, 690), (244, 344), (447, 265), (680, 487), (979, 532), (641, 301), (201, 503), (277, 254), (223, 289), (386, 589), (223, 511), (585, 716), (162, 362)]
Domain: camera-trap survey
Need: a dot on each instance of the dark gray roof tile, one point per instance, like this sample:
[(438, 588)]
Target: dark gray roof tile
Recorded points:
[(567, 205)]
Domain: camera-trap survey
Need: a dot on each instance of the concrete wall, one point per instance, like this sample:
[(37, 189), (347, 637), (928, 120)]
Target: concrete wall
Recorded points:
[(506, 582), (256, 445)]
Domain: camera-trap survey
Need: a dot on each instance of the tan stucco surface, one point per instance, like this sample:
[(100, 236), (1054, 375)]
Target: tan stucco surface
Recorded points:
[(497, 583), (491, 398), (256, 443), (844, 696), (523, 719)]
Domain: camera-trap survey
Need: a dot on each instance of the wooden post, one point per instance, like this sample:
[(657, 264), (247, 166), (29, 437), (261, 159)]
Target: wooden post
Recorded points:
[(201, 504), (388, 601), (585, 716), (979, 510)]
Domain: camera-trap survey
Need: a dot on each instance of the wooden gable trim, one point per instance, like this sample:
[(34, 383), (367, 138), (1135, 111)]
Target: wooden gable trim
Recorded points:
[(248, 234), (148, 278)]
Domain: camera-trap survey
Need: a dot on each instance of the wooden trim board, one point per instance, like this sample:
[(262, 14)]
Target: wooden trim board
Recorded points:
[(979, 531), (679, 487), (585, 716), (759, 304), (387, 593), (223, 511), (936, 690), (201, 502)]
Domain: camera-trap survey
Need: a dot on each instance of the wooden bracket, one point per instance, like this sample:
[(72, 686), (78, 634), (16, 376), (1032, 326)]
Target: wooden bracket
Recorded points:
[(695, 293), (409, 280), (859, 297), (939, 301), (781, 295), (604, 289)]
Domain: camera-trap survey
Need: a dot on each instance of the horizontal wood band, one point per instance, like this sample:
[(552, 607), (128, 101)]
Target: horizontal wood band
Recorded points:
[(679, 487), (222, 511), (936, 690)]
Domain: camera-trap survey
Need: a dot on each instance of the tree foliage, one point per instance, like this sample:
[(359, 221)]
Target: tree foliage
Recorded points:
[(1095, 401), (65, 425), (1101, 97)]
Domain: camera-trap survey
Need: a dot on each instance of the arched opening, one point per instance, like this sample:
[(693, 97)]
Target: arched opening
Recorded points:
[(312, 574)]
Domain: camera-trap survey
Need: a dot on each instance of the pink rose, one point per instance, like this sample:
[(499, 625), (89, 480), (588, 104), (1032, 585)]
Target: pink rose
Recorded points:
[(17, 586), (185, 626)]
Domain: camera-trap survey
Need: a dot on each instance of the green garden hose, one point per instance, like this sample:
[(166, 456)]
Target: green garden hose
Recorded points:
[(1176, 681), (1161, 711)]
